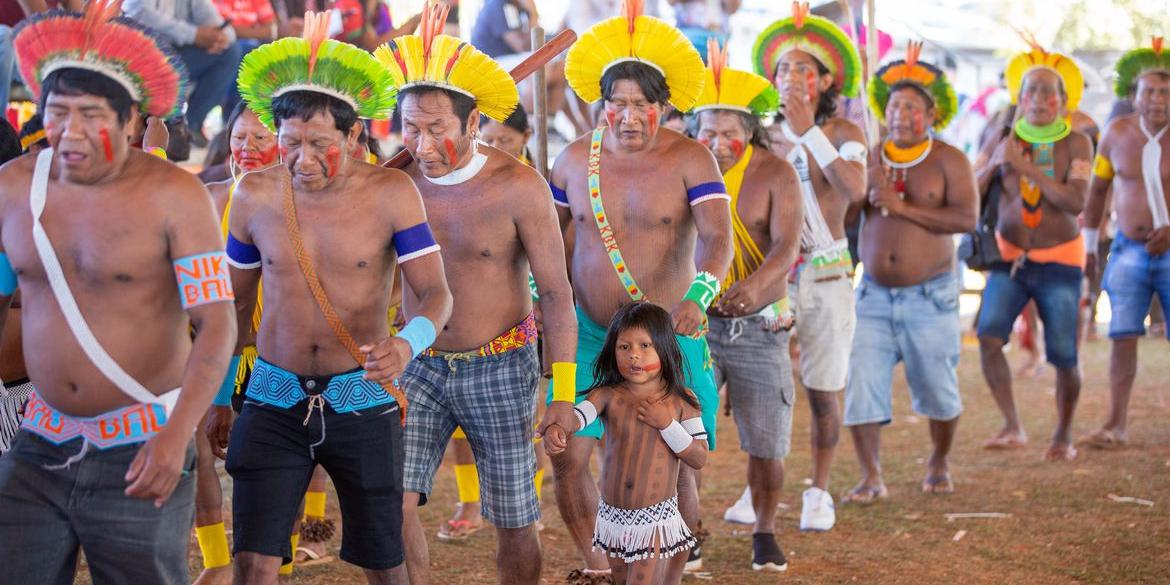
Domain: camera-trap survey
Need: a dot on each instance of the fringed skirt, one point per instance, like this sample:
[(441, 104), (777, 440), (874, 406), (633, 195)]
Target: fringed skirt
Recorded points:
[(633, 535)]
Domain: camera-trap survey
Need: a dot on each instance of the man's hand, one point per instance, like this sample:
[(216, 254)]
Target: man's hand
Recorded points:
[(207, 36), (1159, 241), (883, 196), (221, 44), (556, 440), (157, 467), (386, 359), (688, 318), (156, 135), (1013, 156), (743, 298), (783, 322), (798, 112), (656, 413), (217, 425), (558, 413)]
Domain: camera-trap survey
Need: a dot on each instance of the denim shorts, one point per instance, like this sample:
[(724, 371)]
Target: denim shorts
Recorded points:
[(46, 515), (755, 364), (917, 325), (1056, 288), (1132, 278), (493, 398)]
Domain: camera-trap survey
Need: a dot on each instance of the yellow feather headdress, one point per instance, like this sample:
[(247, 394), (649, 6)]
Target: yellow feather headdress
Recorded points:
[(1039, 58), (636, 37), (438, 60), (732, 89)]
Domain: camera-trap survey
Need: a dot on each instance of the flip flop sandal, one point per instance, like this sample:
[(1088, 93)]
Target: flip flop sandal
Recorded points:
[(865, 495), (1068, 453), (458, 530), (1103, 439), (312, 558), (1004, 443), (938, 484)]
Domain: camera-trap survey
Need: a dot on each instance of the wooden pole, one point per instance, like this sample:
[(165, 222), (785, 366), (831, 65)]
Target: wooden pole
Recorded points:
[(540, 107)]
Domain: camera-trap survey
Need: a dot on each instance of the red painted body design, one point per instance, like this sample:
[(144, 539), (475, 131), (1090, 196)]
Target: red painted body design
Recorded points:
[(651, 368), (250, 161), (283, 150), (452, 156), (918, 124), (652, 120), (737, 149), (332, 160), (810, 85), (611, 118), (107, 146)]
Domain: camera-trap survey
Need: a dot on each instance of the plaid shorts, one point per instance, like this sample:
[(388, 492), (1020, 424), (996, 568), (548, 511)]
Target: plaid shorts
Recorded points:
[(492, 398)]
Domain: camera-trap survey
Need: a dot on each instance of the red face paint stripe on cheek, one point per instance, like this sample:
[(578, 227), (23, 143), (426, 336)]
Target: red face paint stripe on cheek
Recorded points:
[(811, 84), (611, 118), (737, 148), (107, 146), (332, 160), (919, 127), (452, 156), (651, 368), (652, 118)]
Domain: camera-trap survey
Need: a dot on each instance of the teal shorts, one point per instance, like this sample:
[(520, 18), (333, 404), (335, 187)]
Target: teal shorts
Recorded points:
[(698, 374)]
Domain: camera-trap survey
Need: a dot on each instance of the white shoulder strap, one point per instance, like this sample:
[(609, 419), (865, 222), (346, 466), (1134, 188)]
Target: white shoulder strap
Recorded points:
[(89, 344)]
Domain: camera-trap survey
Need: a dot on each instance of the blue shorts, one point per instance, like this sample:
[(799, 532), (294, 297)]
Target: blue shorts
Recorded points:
[(917, 325), (1056, 288), (1132, 278)]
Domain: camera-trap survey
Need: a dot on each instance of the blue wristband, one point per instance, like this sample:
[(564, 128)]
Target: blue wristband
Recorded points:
[(419, 333), (228, 386)]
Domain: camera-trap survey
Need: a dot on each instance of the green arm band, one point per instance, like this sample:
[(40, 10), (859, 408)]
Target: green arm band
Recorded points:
[(532, 288), (703, 290)]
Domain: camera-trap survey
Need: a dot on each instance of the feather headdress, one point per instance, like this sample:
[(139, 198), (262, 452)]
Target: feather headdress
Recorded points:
[(925, 76), (103, 42), (319, 64), (1038, 58), (1139, 62), (732, 89), (439, 60), (814, 35), (640, 38)]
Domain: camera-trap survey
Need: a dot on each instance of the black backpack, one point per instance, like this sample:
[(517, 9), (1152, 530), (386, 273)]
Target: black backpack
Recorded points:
[(978, 248)]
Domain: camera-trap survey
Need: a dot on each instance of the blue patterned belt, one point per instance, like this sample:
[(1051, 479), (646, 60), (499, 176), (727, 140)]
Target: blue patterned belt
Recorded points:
[(346, 392)]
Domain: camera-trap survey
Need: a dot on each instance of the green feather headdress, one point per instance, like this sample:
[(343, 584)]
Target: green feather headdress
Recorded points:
[(815, 35), (319, 64), (925, 76), (1138, 62)]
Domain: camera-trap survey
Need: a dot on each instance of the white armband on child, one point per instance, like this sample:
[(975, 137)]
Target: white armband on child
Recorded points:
[(694, 427), (676, 437), (586, 413), (1092, 237)]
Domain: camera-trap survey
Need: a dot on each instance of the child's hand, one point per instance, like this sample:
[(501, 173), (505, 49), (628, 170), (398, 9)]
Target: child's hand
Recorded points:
[(555, 440), (656, 413)]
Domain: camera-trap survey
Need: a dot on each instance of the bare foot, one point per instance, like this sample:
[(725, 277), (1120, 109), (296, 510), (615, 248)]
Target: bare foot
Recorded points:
[(1060, 452), (217, 576), (1105, 439), (865, 494), (1006, 441)]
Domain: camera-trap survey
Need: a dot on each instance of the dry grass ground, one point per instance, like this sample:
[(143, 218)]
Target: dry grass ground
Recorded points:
[(1063, 526)]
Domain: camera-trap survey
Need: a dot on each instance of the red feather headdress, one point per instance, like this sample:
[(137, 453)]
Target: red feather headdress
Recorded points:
[(103, 42)]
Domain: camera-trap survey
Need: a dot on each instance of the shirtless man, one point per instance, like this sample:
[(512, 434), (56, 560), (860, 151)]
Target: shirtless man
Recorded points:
[(644, 248), (1044, 187), (829, 156), (16, 388), (495, 220), (112, 429), (921, 192), (306, 403), (1139, 266), (750, 322)]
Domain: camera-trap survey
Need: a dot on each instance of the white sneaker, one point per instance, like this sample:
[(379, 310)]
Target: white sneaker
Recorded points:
[(817, 512), (741, 512)]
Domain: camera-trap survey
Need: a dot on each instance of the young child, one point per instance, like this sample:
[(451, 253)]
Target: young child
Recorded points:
[(638, 392)]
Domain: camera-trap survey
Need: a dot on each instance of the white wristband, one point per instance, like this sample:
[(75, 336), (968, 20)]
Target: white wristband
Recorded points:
[(586, 413), (676, 437), (820, 147), (1092, 237)]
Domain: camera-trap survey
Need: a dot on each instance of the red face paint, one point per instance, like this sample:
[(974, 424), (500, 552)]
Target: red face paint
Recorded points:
[(811, 85), (651, 368), (737, 148), (283, 153), (107, 145), (452, 156), (1052, 102), (332, 161), (267, 156), (918, 123), (652, 120), (611, 118), (250, 161)]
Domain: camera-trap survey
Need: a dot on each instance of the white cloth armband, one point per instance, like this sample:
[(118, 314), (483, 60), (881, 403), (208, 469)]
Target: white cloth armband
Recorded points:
[(853, 151), (694, 426), (586, 413), (1092, 236), (676, 437), (818, 144)]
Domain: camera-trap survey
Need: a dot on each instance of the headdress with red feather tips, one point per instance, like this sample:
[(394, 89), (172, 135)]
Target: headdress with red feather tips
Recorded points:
[(912, 70), (103, 42), (1138, 62)]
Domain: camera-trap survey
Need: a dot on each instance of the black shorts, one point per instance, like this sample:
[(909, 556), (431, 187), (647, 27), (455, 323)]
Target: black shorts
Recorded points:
[(270, 464)]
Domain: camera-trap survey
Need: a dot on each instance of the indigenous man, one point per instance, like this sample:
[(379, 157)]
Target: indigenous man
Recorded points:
[(661, 190), (1133, 162), (15, 389), (1044, 169), (103, 460), (750, 322), (921, 193), (811, 61), (494, 218), (327, 251)]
